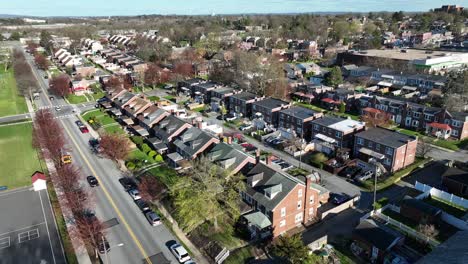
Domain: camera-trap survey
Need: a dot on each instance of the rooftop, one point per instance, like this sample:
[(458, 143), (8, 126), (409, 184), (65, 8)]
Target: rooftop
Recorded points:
[(246, 96), (271, 103), (378, 236), (452, 251), (386, 137), (456, 175), (410, 54), (299, 112)]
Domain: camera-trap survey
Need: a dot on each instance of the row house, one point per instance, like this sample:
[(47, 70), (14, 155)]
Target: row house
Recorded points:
[(298, 119), (186, 85), (361, 71), (201, 91), (165, 128), (427, 82), (93, 45), (392, 149), (240, 104), (331, 132), (279, 202), (268, 109), (390, 76), (231, 158), (189, 145), (435, 121), (219, 97)]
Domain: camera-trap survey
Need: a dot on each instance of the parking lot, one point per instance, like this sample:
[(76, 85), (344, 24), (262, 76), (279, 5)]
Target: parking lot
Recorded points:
[(28, 232)]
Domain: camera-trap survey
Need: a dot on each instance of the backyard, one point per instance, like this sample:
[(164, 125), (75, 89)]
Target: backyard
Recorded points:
[(77, 99), (11, 103), (98, 119), (443, 143), (18, 159), (448, 207)]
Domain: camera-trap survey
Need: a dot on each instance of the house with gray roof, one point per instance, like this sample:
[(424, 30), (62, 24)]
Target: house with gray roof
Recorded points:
[(268, 109), (277, 201), (299, 120), (165, 132), (240, 104), (230, 157)]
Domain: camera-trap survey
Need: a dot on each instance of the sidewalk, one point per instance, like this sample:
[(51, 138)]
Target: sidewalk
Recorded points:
[(198, 256), (78, 245)]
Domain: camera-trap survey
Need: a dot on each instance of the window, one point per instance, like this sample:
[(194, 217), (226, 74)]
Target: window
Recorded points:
[(311, 199), (299, 205), (316, 127), (447, 121), (387, 161), (299, 193), (427, 117), (416, 114), (337, 134), (324, 129), (283, 212), (389, 151), (455, 132), (456, 123), (370, 144), (360, 141), (282, 223), (298, 217), (377, 146), (415, 123)]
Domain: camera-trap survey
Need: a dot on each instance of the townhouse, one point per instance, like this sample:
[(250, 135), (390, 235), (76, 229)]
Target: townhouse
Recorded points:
[(201, 91), (219, 97), (434, 121), (166, 131), (189, 145), (279, 202), (231, 158), (299, 120), (331, 132), (268, 109), (151, 116), (392, 149), (240, 104)]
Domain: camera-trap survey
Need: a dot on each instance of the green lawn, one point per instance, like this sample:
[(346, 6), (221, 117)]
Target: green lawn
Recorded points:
[(11, 103), (385, 182), (114, 129), (239, 256), (76, 99), (102, 118), (443, 143), (98, 95), (18, 159), (166, 175), (309, 106), (448, 207)]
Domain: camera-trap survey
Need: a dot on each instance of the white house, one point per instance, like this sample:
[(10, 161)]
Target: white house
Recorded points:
[(39, 181)]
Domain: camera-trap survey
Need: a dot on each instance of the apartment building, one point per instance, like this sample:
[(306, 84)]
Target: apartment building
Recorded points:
[(298, 119), (269, 109), (241, 104)]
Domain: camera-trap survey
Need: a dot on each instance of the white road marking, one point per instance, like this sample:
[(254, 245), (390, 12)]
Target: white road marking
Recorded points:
[(14, 231), (4, 242), (47, 227), (28, 235)]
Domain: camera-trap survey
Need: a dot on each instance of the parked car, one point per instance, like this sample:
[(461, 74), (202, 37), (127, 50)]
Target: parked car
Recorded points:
[(128, 184), (142, 205), (365, 176), (51, 98), (135, 194), (350, 171), (338, 198), (57, 108), (153, 218), (93, 182), (230, 118), (180, 253), (84, 129), (79, 123), (103, 245)]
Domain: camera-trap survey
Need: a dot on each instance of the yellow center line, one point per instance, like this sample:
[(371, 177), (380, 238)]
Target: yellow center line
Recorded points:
[(135, 239)]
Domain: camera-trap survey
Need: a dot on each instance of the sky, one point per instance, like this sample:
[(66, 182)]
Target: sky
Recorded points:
[(197, 7)]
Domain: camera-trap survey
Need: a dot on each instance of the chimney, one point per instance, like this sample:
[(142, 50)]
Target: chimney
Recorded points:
[(229, 140), (257, 156), (199, 125)]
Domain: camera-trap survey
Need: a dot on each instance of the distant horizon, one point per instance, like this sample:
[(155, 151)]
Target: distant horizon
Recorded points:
[(100, 8)]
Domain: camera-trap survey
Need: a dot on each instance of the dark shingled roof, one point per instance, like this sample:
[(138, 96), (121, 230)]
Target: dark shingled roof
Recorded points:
[(227, 156), (386, 137), (453, 251), (192, 140), (299, 112), (167, 127), (420, 205), (456, 174), (379, 237), (327, 120), (270, 103), (246, 96)]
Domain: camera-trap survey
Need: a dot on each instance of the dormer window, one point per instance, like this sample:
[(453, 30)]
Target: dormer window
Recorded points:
[(271, 192), (254, 179)]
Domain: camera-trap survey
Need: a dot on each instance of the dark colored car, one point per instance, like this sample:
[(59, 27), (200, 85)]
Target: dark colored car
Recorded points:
[(79, 123), (350, 171), (103, 245), (128, 184), (142, 205), (93, 182), (338, 198)]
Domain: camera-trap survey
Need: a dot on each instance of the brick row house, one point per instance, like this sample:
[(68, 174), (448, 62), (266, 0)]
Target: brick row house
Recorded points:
[(434, 121), (392, 149), (330, 132), (278, 202), (299, 120), (241, 104), (269, 109)]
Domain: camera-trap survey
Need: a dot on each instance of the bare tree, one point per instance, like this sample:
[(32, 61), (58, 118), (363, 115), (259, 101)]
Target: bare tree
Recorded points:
[(115, 147), (381, 119), (152, 75), (424, 147), (60, 85), (41, 61)]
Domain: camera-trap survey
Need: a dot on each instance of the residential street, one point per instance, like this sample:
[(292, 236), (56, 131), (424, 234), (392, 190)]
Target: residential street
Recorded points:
[(113, 204)]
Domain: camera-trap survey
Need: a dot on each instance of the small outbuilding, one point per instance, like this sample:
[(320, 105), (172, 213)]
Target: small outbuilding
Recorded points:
[(39, 181)]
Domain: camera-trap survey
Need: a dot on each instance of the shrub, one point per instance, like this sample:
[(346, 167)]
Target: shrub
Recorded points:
[(318, 159), (131, 165), (381, 203), (137, 140), (151, 154), (342, 107), (145, 148), (158, 158)]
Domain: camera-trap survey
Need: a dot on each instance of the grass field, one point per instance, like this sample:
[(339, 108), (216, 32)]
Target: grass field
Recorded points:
[(18, 159), (76, 99), (10, 102)]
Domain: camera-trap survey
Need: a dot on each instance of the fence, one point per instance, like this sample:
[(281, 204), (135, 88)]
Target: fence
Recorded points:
[(406, 228), (456, 222), (442, 195)]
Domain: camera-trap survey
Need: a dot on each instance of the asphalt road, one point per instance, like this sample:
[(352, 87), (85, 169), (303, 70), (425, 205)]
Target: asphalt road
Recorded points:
[(128, 225)]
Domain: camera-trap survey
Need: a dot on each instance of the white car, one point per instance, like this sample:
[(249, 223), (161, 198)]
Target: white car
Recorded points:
[(135, 194), (365, 176), (180, 253)]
